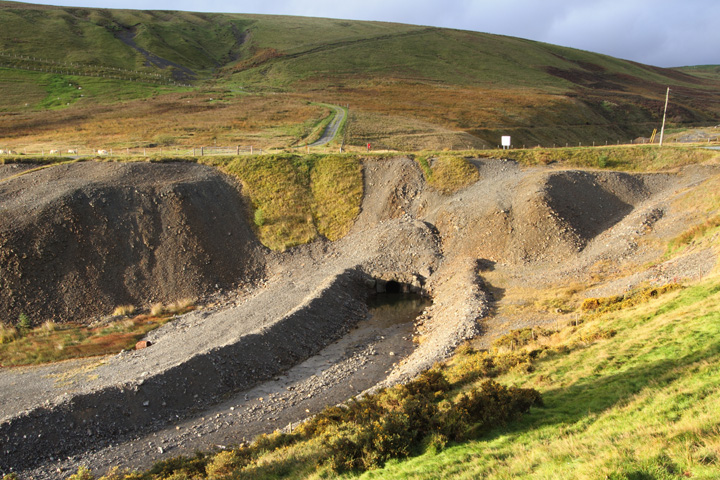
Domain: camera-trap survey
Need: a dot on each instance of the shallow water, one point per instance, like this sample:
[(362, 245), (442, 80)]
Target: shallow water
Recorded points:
[(388, 309)]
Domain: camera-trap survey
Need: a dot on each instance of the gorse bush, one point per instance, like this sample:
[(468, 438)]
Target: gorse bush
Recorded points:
[(367, 432), (394, 422), (619, 302)]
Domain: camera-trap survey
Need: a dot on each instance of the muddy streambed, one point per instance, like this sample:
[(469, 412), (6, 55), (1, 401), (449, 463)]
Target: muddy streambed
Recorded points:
[(349, 366)]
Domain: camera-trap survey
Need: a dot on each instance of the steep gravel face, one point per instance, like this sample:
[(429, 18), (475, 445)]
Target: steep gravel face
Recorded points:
[(78, 240), (530, 216)]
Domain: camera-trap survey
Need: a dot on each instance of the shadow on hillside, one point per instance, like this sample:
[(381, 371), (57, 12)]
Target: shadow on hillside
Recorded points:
[(567, 405)]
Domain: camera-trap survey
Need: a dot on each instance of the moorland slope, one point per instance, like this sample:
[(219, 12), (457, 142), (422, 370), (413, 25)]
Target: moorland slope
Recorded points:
[(409, 87)]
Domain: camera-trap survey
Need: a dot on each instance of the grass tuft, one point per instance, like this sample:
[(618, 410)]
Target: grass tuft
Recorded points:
[(8, 333), (124, 311), (449, 173)]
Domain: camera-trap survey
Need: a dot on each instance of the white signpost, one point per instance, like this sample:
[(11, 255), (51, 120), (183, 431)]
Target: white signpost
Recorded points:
[(506, 142)]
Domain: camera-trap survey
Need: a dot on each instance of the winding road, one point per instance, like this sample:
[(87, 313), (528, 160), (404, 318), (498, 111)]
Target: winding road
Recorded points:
[(332, 128)]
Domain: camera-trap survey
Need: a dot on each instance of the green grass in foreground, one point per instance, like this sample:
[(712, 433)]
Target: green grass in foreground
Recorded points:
[(643, 404)]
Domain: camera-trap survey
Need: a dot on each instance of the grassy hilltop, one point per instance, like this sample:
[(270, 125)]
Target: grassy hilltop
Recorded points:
[(204, 79)]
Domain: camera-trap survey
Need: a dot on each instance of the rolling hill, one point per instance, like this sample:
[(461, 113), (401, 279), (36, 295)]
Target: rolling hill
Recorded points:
[(409, 87)]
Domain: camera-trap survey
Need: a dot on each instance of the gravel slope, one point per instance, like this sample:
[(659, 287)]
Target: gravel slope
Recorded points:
[(201, 382)]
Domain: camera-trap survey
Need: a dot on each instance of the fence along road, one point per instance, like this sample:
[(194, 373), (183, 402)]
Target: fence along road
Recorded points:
[(332, 128)]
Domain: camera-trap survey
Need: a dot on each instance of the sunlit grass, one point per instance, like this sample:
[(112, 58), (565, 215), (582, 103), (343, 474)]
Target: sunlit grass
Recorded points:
[(294, 198), (53, 342), (642, 404), (449, 173), (629, 158), (337, 190)]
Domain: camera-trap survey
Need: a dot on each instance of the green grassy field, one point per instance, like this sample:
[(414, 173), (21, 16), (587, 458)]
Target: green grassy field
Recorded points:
[(642, 404)]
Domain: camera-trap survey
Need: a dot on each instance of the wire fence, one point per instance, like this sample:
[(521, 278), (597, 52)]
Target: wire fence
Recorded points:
[(185, 151), (137, 151), (637, 141)]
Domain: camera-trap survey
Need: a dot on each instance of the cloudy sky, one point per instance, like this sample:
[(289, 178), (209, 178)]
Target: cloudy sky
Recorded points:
[(666, 33)]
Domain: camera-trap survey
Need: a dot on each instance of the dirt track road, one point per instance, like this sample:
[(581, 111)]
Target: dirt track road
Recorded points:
[(332, 128)]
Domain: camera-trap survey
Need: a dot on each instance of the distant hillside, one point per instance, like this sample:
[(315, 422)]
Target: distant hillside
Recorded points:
[(408, 86), (702, 71)]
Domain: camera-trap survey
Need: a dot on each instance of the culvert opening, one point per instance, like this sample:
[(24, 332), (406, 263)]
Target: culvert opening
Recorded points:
[(395, 309), (393, 302), (393, 287)]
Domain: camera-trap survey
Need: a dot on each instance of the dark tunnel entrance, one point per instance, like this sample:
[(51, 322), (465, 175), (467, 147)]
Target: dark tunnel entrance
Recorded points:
[(393, 287)]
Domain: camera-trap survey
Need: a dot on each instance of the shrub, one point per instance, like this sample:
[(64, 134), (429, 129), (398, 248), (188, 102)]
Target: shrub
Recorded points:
[(392, 423), (472, 365), (618, 302), (116, 474), (597, 334), (123, 311), (521, 337), (224, 463), (83, 473), (181, 467), (24, 321), (273, 441), (492, 404)]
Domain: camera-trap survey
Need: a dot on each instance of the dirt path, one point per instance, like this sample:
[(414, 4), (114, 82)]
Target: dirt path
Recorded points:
[(332, 128)]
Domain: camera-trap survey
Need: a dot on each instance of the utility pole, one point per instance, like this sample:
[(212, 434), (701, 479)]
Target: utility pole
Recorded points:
[(662, 130)]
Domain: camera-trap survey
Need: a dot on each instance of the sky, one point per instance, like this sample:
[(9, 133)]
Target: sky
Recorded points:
[(664, 33)]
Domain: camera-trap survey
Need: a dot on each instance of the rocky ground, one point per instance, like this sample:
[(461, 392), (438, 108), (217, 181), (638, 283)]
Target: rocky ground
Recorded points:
[(289, 333)]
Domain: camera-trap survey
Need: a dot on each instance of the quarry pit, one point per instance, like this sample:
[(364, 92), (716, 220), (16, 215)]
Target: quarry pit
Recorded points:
[(282, 334)]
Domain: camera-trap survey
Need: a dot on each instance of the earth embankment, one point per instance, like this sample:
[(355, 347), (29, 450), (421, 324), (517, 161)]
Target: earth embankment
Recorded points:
[(78, 240)]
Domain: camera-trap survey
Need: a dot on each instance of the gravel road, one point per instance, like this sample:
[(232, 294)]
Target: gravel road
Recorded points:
[(332, 128)]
